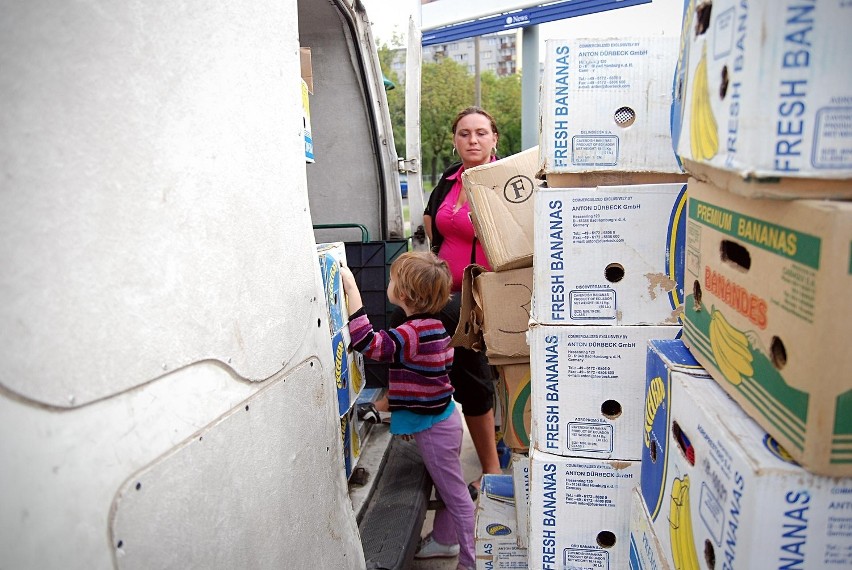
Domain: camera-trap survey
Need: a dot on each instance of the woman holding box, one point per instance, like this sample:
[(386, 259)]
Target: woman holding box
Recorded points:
[(448, 226)]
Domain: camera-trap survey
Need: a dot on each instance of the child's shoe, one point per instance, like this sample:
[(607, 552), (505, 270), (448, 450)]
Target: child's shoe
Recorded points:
[(429, 548)]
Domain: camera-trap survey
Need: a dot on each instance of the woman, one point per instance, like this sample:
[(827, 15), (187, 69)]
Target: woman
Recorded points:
[(448, 226)]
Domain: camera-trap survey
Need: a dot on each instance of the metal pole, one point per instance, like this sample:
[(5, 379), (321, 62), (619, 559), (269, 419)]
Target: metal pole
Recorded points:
[(529, 88), (477, 96)]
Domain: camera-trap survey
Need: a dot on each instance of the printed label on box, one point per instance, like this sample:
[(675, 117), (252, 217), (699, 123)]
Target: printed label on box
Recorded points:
[(590, 437), (585, 559), (597, 304)]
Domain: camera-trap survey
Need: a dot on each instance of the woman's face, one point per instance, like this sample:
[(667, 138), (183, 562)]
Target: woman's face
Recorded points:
[(474, 140)]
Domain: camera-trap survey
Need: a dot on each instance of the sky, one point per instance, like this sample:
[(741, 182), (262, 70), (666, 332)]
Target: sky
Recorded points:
[(660, 17)]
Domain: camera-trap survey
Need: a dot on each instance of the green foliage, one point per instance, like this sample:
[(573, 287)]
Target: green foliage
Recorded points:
[(446, 89)]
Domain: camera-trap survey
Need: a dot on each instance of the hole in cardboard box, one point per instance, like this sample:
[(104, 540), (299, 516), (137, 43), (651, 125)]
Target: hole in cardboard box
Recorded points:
[(614, 272), (683, 443), (653, 450), (723, 85), (702, 17), (606, 539), (735, 254), (709, 554), (611, 409), (696, 295), (624, 117), (778, 353)]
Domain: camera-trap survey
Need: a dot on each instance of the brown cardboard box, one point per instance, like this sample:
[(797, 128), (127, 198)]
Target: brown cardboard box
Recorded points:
[(500, 195), (768, 314), (495, 313), (513, 395), (307, 68)]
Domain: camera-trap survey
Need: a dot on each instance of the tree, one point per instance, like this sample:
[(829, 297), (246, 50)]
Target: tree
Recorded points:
[(501, 96), (446, 88)]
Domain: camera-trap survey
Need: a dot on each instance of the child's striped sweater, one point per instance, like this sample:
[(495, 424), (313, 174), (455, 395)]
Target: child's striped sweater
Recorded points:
[(420, 358)]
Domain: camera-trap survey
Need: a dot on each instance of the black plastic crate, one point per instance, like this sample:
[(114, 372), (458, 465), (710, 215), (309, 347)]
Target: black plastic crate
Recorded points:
[(370, 264)]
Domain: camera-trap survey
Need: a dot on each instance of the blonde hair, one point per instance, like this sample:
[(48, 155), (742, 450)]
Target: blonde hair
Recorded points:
[(422, 280)]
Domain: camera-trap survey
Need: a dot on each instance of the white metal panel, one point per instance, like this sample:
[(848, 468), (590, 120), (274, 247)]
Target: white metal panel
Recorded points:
[(153, 210), (232, 496), (244, 483), (414, 160)]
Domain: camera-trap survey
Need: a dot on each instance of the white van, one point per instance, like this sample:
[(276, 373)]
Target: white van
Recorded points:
[(167, 396)]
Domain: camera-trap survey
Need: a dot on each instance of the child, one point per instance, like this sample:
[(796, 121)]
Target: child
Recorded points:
[(419, 390)]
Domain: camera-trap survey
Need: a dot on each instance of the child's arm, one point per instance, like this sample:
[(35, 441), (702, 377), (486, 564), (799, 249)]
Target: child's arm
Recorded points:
[(353, 295)]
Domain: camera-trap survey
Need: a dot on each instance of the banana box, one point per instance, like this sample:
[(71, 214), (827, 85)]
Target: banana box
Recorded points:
[(351, 438), (646, 552), (763, 90), (331, 257), (513, 398), (588, 388), (579, 512), (606, 103), (306, 124), (720, 492), (496, 527), (357, 377), (341, 350), (521, 480), (611, 255), (768, 314)]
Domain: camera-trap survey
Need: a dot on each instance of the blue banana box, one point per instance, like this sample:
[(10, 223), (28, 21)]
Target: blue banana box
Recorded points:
[(722, 493), (331, 257)]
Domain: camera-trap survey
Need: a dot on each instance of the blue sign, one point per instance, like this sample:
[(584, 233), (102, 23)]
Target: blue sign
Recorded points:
[(534, 16)]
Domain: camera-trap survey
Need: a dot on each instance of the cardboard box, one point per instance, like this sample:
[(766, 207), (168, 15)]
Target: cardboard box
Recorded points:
[(768, 314), (306, 124), (763, 89), (610, 255), (588, 388), (496, 307), (350, 434), (513, 396), (646, 552), (496, 527), (579, 511), (331, 256), (521, 480), (357, 376), (719, 489), (341, 350), (306, 67), (606, 105), (612, 178), (500, 196)]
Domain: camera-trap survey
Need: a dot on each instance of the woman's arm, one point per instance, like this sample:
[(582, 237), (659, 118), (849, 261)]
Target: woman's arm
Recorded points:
[(427, 226)]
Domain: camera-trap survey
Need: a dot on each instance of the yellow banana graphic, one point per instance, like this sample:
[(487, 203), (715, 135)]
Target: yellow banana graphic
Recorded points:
[(684, 554), (703, 131), (730, 349), (355, 373)]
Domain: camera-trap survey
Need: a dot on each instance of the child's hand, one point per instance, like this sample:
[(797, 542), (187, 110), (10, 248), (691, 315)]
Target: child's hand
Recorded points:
[(347, 278)]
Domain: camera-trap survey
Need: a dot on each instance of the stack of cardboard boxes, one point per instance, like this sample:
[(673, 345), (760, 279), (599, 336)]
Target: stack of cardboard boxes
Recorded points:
[(495, 305), (348, 364), (569, 330), (748, 438), (608, 235)]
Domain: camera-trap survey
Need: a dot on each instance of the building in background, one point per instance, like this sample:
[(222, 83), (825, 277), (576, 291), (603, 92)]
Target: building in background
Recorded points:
[(498, 53)]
